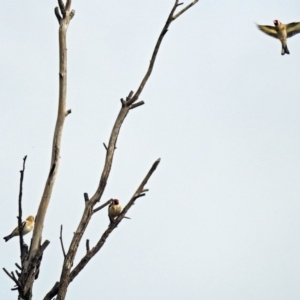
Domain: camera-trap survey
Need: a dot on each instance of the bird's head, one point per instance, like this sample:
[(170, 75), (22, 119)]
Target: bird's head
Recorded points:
[(30, 219), (115, 201), (276, 22)]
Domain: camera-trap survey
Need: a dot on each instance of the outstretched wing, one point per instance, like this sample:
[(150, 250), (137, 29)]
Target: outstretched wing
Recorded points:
[(269, 30), (292, 28)]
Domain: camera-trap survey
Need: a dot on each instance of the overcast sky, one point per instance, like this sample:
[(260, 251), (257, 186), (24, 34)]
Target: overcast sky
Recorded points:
[(221, 219)]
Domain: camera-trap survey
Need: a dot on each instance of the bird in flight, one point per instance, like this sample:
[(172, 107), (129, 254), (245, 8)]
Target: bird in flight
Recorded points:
[(282, 32)]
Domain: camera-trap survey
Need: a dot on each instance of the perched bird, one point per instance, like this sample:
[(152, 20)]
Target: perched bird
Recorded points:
[(26, 225), (114, 210), (281, 32)]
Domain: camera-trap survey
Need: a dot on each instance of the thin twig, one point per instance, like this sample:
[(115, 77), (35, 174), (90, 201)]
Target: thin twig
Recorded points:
[(62, 7), (105, 146), (12, 277), (86, 198), (57, 14), (185, 9), (87, 245), (137, 104), (20, 227), (102, 206), (61, 241), (135, 97), (69, 111), (140, 195), (129, 95)]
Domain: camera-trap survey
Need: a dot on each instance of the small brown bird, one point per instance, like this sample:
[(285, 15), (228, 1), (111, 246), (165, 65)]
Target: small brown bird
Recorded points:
[(114, 210), (26, 225), (281, 32)]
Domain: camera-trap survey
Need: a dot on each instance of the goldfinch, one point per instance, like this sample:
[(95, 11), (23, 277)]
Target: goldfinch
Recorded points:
[(281, 32), (114, 210), (26, 225)]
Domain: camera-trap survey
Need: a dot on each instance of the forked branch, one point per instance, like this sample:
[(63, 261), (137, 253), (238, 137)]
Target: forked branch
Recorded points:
[(126, 106), (83, 262)]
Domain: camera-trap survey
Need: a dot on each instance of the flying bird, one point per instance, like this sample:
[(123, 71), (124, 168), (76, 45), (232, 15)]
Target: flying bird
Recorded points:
[(114, 210), (281, 32), (27, 226)]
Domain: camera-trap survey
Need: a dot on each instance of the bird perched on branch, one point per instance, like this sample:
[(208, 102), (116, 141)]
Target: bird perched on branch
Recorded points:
[(27, 226), (114, 210), (281, 32)]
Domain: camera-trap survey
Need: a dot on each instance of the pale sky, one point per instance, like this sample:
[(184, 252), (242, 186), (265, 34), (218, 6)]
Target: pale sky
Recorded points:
[(221, 220)]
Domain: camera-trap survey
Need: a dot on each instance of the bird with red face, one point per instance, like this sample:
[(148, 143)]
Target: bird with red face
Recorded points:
[(282, 32), (114, 210)]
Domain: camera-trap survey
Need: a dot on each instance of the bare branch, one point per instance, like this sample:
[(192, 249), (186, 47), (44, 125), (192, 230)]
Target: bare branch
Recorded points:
[(14, 277), (102, 206), (27, 277), (72, 14), (20, 227), (140, 195), (105, 146), (61, 241), (129, 95), (137, 104), (139, 191), (87, 245), (57, 14), (88, 211), (185, 9), (68, 5), (86, 198), (112, 226), (153, 58), (170, 18), (68, 112), (18, 266), (52, 292), (31, 265), (61, 115), (11, 277), (62, 7), (66, 277)]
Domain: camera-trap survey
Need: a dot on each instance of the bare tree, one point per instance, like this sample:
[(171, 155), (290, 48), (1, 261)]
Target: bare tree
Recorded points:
[(32, 258)]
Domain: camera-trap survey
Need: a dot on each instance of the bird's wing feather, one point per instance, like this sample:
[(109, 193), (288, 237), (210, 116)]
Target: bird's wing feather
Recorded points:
[(292, 28), (269, 30)]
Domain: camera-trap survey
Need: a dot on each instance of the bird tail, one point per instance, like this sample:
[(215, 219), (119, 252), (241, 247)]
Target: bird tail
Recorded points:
[(7, 238), (284, 49)]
